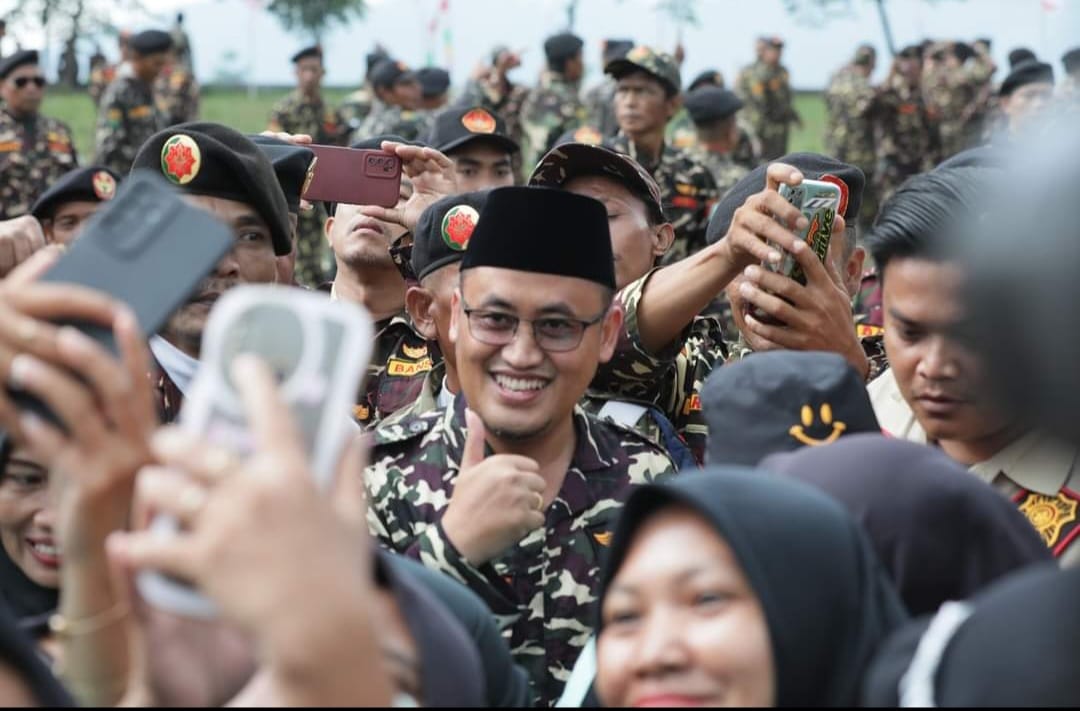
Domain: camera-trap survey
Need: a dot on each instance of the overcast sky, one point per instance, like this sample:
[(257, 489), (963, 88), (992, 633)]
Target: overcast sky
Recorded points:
[(722, 39)]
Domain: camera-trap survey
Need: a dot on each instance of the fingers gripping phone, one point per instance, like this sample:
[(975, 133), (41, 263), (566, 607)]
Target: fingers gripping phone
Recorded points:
[(354, 176), (318, 350), (819, 201)]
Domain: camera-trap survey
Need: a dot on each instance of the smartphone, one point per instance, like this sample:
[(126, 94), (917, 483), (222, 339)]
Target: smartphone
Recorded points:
[(318, 350), (147, 248), (354, 176), (818, 200)]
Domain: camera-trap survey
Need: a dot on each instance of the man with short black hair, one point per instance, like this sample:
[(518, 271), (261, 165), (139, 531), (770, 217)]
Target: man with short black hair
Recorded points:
[(478, 143), (1026, 93), (127, 113), (554, 106), (646, 97), (65, 207), (766, 89), (934, 390), (434, 88), (397, 110), (35, 150)]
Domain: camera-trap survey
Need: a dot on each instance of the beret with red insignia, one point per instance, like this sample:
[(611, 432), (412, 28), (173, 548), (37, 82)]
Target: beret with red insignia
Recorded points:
[(210, 159), (93, 183), (444, 231), (293, 165)]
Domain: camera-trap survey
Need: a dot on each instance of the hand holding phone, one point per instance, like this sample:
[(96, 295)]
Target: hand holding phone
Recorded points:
[(318, 350), (354, 176)]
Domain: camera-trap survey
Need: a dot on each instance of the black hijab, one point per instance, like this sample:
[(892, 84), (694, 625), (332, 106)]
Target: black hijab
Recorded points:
[(942, 533), (31, 604), (826, 599), (1016, 644), (19, 656)]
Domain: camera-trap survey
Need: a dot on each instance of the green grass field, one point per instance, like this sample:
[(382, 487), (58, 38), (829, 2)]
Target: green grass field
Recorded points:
[(249, 114)]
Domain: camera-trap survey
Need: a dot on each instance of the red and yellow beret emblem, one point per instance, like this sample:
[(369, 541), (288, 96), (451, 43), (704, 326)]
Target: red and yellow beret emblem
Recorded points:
[(181, 159), (639, 53), (588, 135), (458, 226), (104, 185), (478, 121)]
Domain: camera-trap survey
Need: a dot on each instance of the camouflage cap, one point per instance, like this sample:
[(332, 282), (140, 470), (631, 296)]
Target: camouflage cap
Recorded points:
[(572, 160), (641, 58)]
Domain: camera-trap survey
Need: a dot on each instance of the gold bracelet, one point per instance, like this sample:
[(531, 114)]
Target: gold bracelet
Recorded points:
[(63, 627)]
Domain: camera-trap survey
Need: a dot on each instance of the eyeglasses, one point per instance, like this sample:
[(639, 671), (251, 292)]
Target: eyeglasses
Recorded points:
[(21, 82), (554, 334)]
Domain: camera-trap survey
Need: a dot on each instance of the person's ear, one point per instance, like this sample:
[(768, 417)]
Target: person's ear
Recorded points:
[(610, 330), (663, 238), (327, 227), (418, 301), (853, 271)]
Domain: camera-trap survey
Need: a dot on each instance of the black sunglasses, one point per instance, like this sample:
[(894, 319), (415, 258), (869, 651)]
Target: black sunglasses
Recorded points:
[(21, 82)]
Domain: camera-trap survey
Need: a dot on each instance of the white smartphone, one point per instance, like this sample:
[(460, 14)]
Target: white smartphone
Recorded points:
[(318, 350)]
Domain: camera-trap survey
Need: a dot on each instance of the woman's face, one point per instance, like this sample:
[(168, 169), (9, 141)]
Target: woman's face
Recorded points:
[(682, 626), (26, 519)]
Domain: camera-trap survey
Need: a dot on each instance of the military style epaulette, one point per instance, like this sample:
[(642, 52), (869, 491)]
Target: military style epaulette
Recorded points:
[(405, 430)]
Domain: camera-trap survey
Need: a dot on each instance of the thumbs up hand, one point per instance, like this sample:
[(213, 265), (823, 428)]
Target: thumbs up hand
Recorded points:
[(497, 500)]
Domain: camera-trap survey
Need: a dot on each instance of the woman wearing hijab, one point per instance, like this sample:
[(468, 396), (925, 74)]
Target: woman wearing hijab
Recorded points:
[(29, 552), (1014, 645), (940, 532), (736, 588)]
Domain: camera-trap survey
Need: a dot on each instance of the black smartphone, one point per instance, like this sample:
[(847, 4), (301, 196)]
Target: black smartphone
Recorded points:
[(147, 248)]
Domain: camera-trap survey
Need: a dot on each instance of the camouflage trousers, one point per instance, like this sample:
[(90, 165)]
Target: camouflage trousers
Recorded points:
[(314, 259), (774, 141)]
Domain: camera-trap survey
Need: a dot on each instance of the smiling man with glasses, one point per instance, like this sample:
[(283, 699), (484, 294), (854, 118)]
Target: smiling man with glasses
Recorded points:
[(516, 495), (35, 150)]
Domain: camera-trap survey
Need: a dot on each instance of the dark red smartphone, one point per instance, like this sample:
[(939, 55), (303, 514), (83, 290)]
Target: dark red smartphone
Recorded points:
[(354, 176)]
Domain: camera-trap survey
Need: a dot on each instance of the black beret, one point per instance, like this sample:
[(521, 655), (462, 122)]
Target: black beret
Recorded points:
[(615, 48), (1020, 55), (812, 165), (444, 230), (312, 51), (1071, 60), (434, 81), (454, 128), (711, 104), (709, 77), (94, 183), (571, 160), (389, 72), (210, 159), (14, 61), (151, 42), (373, 144), (780, 401), (562, 46), (293, 166), (373, 58), (546, 231), (1024, 73)]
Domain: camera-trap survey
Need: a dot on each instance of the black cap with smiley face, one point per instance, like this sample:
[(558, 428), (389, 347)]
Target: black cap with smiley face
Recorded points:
[(781, 401)]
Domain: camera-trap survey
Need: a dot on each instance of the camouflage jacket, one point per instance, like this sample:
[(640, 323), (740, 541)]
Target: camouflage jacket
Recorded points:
[(33, 154), (297, 114), (551, 109), (769, 105), (542, 589), (100, 78), (600, 108), (401, 359), (687, 189), (906, 134), (680, 130), (506, 102), (356, 107), (849, 134), (394, 120), (873, 345), (127, 117), (725, 171), (670, 380), (177, 95)]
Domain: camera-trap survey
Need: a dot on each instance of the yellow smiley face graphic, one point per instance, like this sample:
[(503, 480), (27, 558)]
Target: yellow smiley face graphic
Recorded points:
[(807, 416)]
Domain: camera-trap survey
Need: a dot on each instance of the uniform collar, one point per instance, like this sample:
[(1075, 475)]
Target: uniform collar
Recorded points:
[(1035, 462)]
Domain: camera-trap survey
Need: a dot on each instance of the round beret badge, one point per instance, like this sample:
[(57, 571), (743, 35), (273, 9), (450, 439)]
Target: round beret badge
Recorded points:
[(104, 185), (639, 53), (458, 226), (181, 159), (478, 121)]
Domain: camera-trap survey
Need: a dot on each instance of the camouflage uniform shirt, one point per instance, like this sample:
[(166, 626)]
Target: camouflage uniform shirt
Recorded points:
[(769, 105), (552, 109), (506, 102), (907, 136), (849, 135), (394, 120), (396, 373), (356, 107), (33, 154), (670, 381), (541, 590), (177, 95), (725, 171), (687, 189), (127, 117), (299, 114)]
